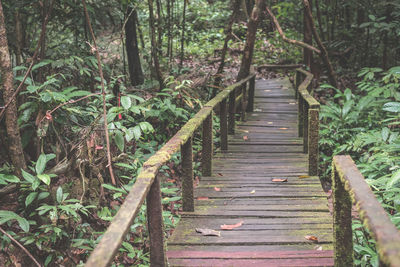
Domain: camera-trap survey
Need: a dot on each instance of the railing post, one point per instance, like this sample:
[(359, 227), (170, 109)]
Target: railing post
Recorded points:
[(342, 232), (305, 126), (297, 83), (300, 116), (206, 154), (313, 132), (187, 176), (243, 102), (223, 125), (250, 103), (231, 119), (155, 225)]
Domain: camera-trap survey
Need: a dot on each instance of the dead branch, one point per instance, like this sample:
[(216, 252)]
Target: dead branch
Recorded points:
[(291, 41), (21, 246), (103, 92)]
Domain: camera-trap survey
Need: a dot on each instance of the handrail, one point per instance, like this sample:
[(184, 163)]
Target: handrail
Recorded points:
[(349, 187), (308, 120), (147, 184)]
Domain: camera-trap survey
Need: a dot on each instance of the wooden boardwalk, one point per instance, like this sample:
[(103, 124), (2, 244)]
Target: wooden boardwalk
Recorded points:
[(260, 185)]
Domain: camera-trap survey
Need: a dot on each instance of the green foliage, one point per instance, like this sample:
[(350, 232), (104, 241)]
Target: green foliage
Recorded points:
[(364, 124)]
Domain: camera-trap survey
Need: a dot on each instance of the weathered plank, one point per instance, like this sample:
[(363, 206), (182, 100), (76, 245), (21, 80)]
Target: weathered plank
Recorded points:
[(275, 216)]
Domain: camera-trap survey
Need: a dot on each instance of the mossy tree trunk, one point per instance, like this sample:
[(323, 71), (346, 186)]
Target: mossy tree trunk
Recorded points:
[(11, 114)]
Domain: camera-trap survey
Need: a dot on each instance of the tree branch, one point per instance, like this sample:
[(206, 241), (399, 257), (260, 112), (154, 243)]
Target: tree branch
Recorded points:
[(291, 41), (21, 246)]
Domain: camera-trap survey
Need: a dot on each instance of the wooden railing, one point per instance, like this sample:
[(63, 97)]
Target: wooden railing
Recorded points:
[(349, 187), (308, 121), (147, 184)]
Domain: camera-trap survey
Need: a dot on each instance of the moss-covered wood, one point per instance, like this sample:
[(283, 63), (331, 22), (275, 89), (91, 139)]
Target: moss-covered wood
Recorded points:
[(371, 212)]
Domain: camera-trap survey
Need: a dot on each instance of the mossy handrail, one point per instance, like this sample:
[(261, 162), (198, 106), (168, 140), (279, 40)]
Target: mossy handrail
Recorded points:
[(308, 120), (147, 184), (349, 187)]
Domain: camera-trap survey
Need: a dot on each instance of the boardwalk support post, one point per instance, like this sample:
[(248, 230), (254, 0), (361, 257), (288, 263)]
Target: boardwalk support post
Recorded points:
[(231, 119), (223, 125), (305, 126), (250, 103), (342, 232), (206, 154), (243, 102), (313, 132), (187, 177), (155, 224)]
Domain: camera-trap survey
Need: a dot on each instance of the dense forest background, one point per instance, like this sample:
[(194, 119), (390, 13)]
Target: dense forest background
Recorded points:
[(91, 89)]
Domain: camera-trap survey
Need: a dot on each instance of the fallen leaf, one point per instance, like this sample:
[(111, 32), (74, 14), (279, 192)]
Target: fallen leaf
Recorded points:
[(311, 238), (220, 174), (245, 131), (231, 226), (279, 180), (252, 192), (318, 247), (208, 232), (267, 90), (304, 176), (245, 137), (202, 198), (292, 103), (283, 128), (217, 189), (270, 122), (257, 109)]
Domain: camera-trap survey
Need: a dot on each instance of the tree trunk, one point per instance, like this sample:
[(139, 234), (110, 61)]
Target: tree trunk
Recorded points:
[(321, 31), (132, 49), (324, 53), (183, 33), (159, 27), (154, 53), (14, 138), (250, 39), (307, 38), (228, 32)]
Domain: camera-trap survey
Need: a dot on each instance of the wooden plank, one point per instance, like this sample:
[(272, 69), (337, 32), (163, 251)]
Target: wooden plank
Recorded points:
[(250, 248), (252, 262)]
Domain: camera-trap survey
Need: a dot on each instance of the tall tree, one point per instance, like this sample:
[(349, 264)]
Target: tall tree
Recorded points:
[(154, 48), (132, 49), (250, 39), (11, 114)]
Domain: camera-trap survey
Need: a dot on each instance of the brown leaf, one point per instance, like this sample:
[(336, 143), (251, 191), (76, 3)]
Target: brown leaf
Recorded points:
[(231, 226), (279, 180), (208, 232), (312, 238), (202, 198), (245, 137), (283, 128), (217, 189), (220, 174), (304, 176)]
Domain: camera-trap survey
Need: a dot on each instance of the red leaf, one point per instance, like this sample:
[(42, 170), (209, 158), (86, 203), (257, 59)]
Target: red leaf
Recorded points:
[(311, 238), (245, 137), (231, 226), (217, 189), (202, 198)]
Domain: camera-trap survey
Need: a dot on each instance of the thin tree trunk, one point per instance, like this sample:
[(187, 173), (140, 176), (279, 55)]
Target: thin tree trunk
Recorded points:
[(154, 46), (307, 38), (140, 31), (321, 31), (324, 53), (14, 137), (228, 32), (159, 26), (169, 32), (183, 33), (42, 54), (19, 35), (132, 49), (247, 57)]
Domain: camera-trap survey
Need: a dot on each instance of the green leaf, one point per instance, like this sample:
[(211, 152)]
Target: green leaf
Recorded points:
[(137, 132), (59, 194), (6, 215), (43, 195), (392, 107), (119, 140), (41, 64), (30, 198), (28, 177), (126, 102), (393, 180), (385, 134), (40, 164), (45, 178)]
